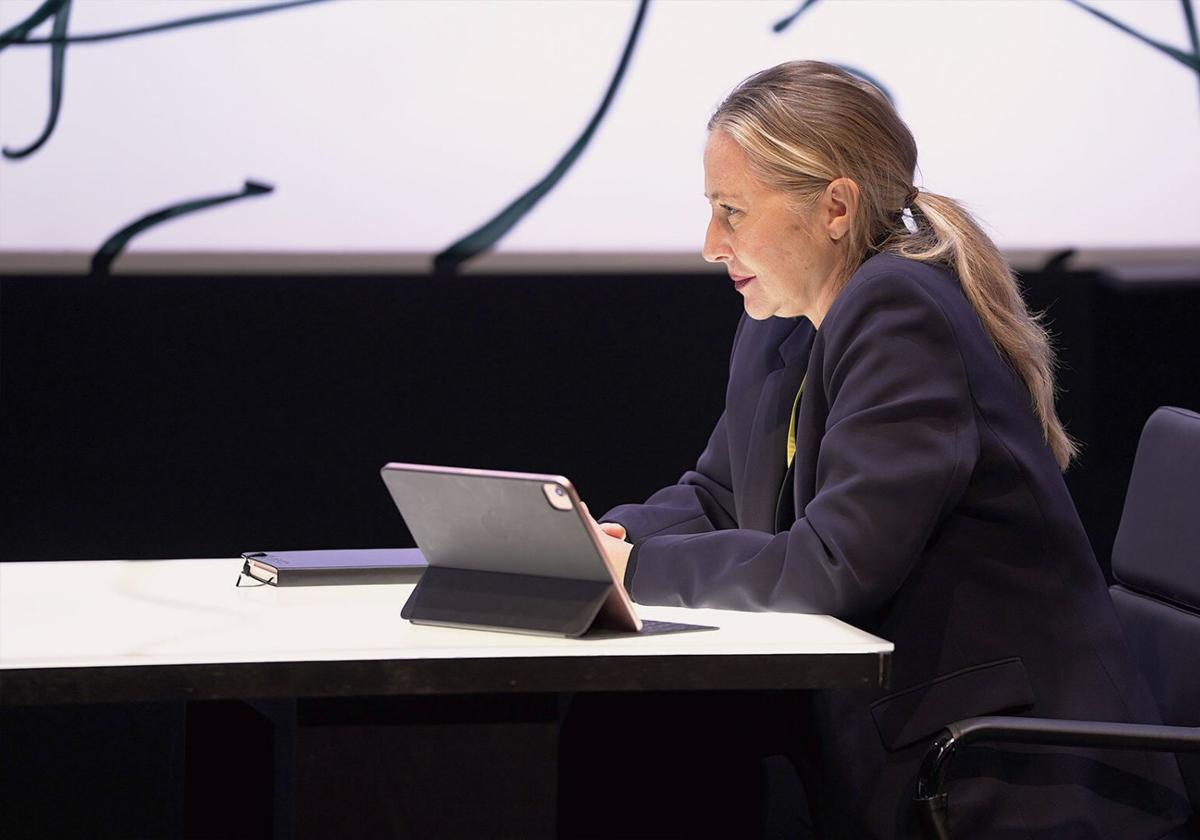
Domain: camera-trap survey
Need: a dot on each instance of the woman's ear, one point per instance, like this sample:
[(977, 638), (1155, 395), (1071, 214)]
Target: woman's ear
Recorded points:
[(839, 206)]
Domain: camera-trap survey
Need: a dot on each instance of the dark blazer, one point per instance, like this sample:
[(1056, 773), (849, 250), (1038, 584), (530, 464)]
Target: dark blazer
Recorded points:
[(923, 506)]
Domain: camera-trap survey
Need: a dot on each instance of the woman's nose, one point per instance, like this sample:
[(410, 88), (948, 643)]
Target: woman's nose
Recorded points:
[(716, 246)]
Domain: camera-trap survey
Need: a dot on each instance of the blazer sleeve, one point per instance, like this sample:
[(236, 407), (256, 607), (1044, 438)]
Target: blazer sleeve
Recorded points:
[(700, 502), (899, 447)]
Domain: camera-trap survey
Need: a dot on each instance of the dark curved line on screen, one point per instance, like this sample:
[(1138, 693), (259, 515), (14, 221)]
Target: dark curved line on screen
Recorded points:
[(490, 232), (1190, 60), (111, 249), (1189, 17), (195, 20), (58, 58), (58, 41), (784, 23), (40, 15)]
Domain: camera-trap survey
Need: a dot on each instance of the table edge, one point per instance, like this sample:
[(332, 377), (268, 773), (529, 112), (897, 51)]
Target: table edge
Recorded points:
[(400, 677)]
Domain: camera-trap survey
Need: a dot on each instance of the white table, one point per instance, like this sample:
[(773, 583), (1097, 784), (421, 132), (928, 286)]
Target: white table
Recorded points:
[(94, 631), (440, 716)]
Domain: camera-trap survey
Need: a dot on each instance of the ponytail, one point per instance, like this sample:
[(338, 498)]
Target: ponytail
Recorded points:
[(945, 233)]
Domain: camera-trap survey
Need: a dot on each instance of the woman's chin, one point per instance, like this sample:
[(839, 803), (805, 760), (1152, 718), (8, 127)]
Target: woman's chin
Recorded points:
[(757, 310)]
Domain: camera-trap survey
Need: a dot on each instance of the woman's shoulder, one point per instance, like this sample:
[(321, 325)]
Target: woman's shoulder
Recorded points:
[(891, 280), (886, 269)]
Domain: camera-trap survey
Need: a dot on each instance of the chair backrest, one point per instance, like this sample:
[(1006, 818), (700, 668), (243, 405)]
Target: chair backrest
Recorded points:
[(1156, 563)]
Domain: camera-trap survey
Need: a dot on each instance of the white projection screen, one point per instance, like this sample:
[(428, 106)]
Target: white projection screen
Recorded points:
[(390, 129)]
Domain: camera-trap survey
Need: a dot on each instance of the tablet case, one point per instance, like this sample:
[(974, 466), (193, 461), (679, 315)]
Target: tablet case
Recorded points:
[(502, 555), (523, 604), (505, 601)]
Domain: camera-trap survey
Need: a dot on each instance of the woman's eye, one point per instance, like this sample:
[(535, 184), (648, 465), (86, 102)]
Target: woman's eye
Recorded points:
[(730, 212)]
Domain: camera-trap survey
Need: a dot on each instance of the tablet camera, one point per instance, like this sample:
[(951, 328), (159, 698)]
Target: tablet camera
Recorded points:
[(557, 496)]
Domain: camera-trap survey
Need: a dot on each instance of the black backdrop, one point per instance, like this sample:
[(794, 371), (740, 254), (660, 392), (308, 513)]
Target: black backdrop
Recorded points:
[(205, 416), (195, 416)]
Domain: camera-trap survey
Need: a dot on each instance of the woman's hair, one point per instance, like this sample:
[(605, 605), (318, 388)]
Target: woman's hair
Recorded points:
[(804, 123)]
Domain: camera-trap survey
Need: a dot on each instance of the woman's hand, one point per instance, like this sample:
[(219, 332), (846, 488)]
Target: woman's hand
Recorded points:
[(613, 529), (617, 550), (612, 540)]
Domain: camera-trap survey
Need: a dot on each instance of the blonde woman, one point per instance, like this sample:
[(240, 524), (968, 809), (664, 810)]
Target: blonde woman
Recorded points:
[(890, 455)]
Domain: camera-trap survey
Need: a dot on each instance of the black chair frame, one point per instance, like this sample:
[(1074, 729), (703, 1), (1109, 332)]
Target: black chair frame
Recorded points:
[(933, 804)]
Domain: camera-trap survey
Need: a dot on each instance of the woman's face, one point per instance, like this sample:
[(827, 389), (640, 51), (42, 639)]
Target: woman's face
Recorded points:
[(784, 261)]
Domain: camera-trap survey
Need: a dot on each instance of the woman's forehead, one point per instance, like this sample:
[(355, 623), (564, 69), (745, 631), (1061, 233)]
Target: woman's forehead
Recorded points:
[(727, 172)]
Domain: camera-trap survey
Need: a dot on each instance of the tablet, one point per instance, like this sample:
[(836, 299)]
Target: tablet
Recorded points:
[(506, 551)]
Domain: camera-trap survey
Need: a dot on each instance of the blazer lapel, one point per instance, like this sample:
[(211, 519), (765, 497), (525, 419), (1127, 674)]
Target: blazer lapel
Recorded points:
[(766, 452)]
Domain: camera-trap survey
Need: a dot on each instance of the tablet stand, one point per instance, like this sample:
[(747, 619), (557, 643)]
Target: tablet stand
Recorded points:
[(504, 601)]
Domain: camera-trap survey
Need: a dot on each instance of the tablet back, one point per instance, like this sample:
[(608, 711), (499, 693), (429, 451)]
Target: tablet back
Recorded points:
[(506, 551)]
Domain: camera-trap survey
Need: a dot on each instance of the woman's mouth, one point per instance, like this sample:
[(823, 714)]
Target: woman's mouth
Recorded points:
[(740, 283)]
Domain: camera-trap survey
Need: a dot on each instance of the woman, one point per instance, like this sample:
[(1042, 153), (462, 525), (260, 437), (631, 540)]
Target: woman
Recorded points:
[(890, 455)]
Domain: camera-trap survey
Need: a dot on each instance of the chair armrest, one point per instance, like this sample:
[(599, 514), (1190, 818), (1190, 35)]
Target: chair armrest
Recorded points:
[(932, 803)]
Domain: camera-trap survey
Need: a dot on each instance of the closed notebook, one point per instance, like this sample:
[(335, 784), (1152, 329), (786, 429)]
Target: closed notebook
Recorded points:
[(334, 566)]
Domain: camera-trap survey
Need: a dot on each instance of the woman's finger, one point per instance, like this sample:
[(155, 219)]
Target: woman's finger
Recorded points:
[(613, 529)]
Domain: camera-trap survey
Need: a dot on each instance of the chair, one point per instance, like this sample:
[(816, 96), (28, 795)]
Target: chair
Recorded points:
[(1156, 563)]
